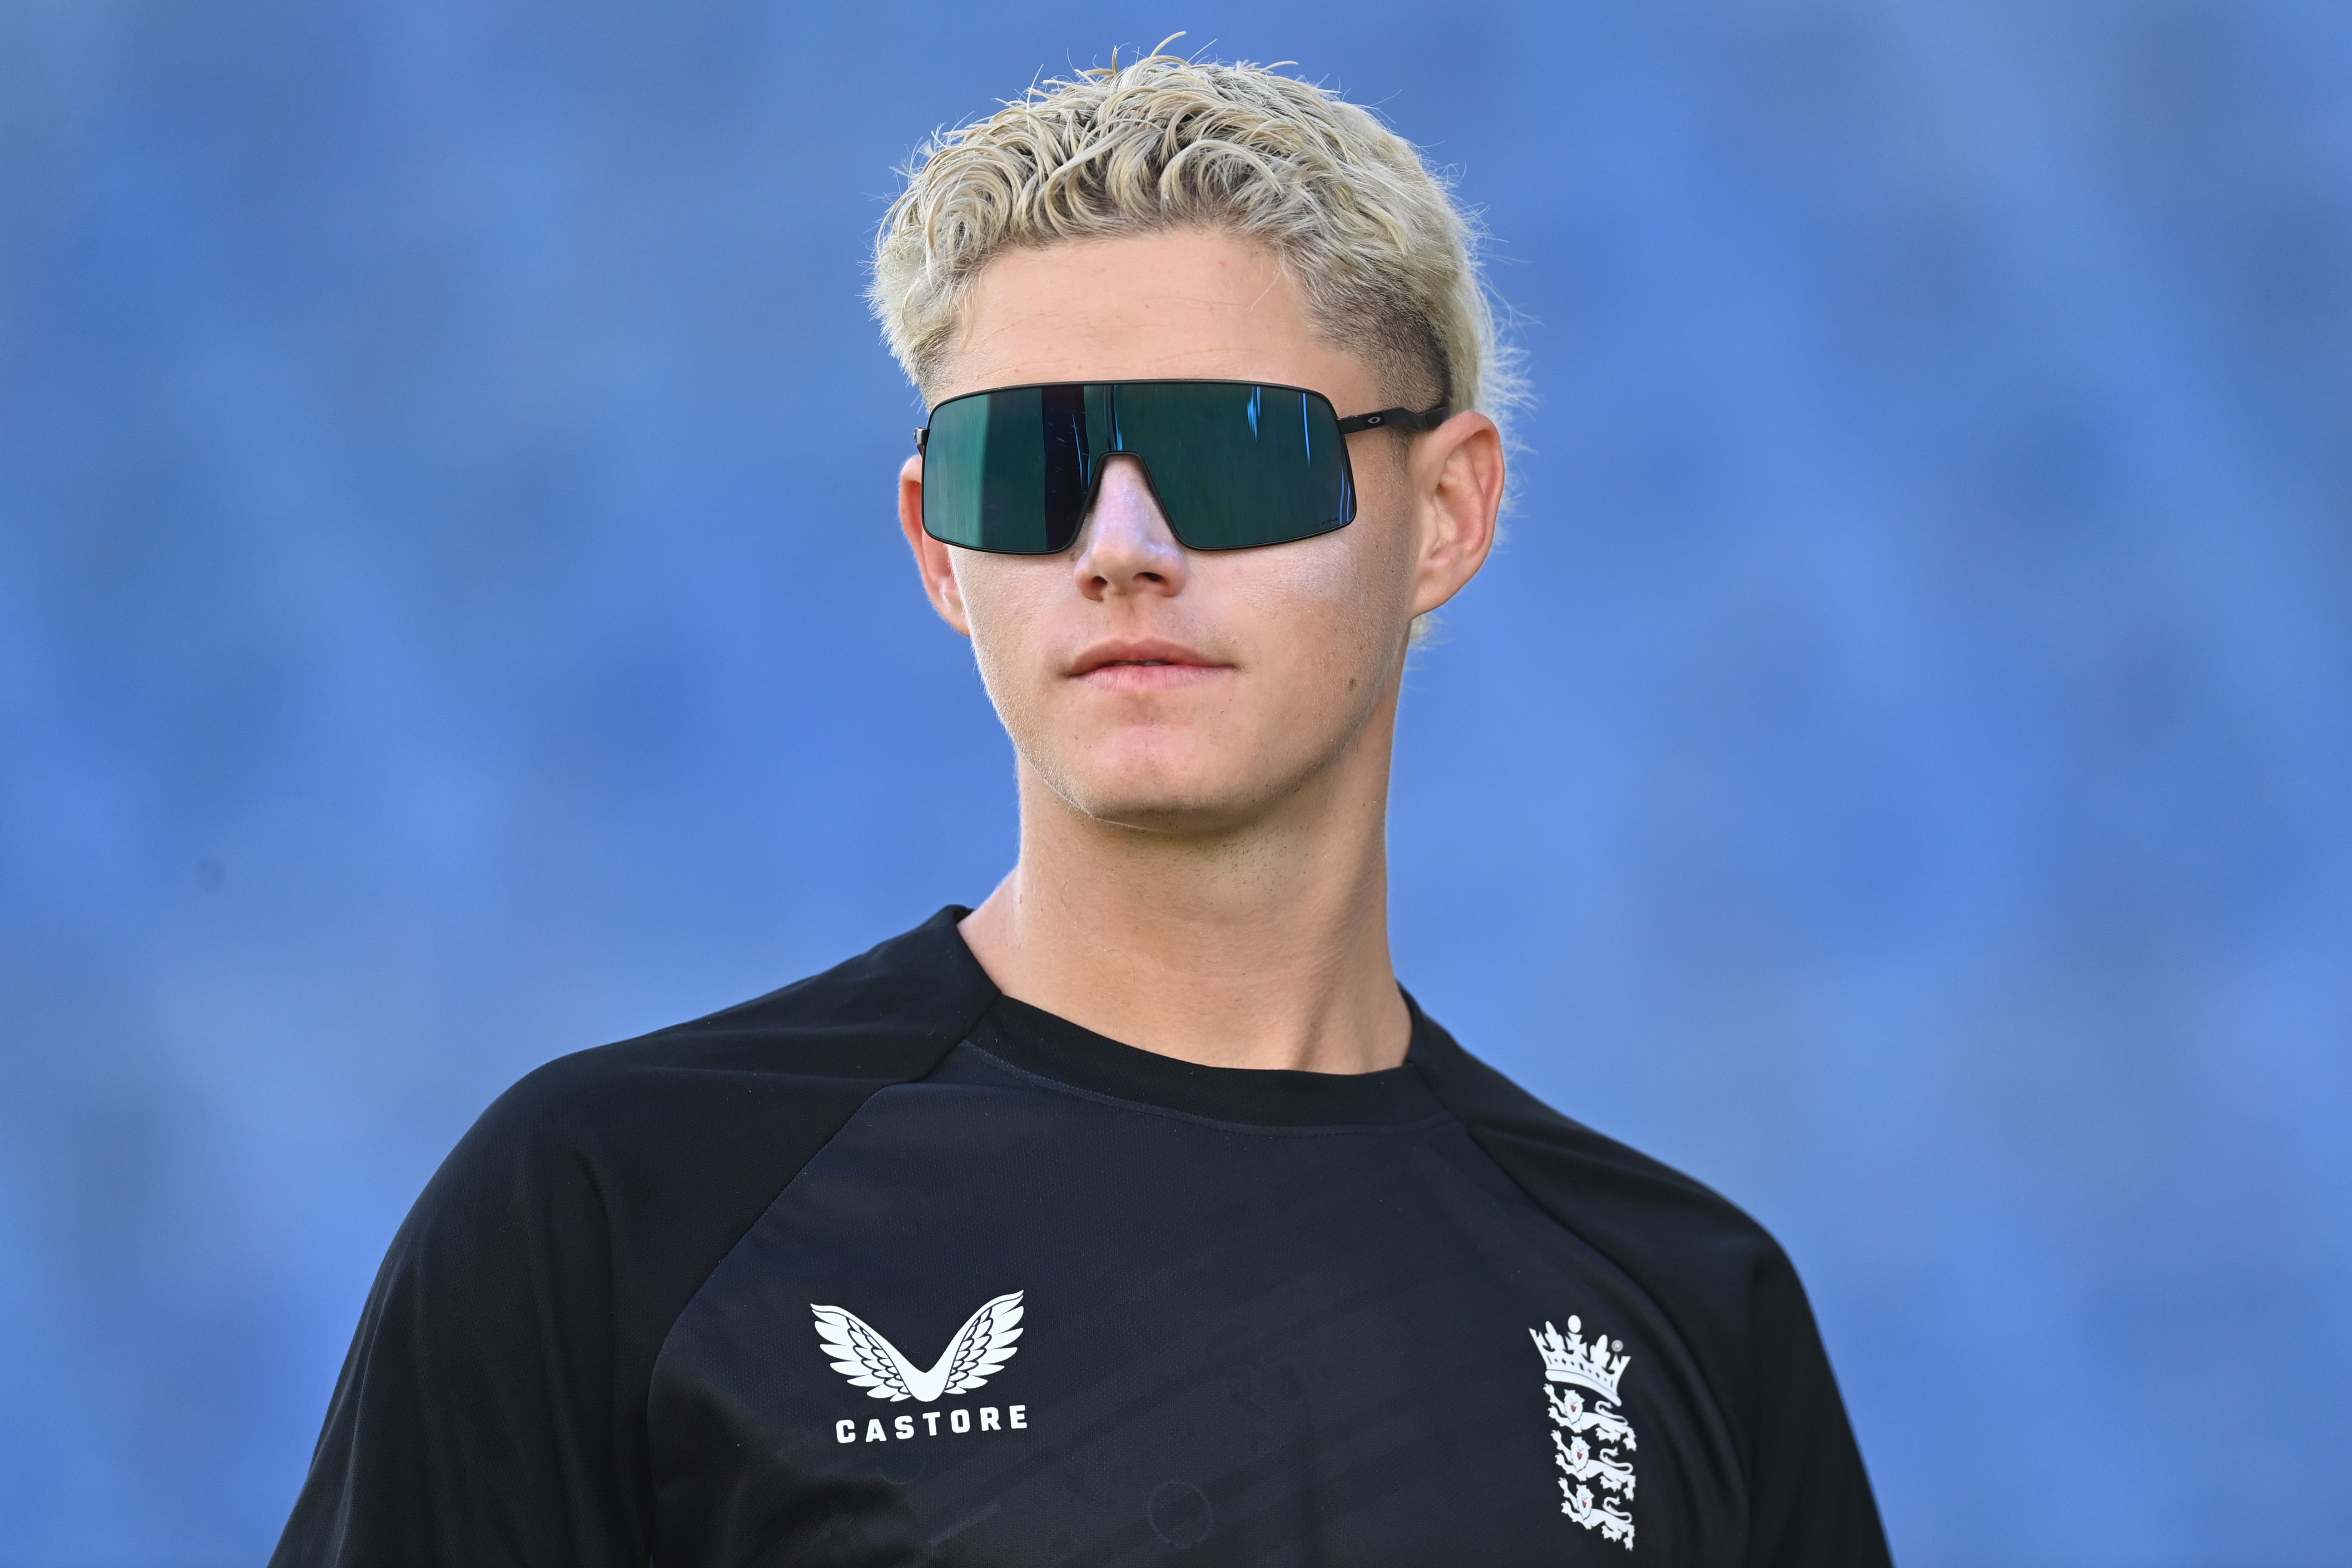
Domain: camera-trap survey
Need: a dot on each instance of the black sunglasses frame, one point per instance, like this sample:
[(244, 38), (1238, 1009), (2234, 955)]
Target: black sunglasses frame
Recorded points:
[(1406, 419)]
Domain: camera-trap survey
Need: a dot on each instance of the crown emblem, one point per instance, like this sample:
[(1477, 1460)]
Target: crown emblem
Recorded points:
[(1570, 1359)]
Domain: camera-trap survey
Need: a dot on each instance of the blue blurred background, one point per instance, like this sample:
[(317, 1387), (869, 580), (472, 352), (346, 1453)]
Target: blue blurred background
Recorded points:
[(1899, 769)]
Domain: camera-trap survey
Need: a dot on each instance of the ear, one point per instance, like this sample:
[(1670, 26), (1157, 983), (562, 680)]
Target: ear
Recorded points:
[(1457, 475), (934, 561)]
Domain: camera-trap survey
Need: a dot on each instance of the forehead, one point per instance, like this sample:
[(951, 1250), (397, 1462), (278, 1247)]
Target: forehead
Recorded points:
[(1188, 303)]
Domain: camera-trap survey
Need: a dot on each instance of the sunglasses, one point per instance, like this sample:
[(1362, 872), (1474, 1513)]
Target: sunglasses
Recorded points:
[(1233, 464)]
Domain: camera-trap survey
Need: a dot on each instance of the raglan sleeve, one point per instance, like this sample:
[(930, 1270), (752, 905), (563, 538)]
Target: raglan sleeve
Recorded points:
[(1725, 1284), (1810, 1501), (478, 1417)]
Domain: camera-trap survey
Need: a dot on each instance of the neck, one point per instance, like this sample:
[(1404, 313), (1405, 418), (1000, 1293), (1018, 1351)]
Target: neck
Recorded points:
[(1263, 945)]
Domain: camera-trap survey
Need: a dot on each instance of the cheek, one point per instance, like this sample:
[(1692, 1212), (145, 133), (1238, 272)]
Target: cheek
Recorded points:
[(1005, 600), (1337, 607), (1355, 581)]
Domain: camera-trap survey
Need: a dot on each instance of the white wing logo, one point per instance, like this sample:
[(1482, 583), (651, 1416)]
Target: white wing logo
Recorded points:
[(872, 1362)]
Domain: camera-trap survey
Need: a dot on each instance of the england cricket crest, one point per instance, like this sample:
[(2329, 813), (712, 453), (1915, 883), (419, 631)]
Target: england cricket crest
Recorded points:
[(1588, 1442)]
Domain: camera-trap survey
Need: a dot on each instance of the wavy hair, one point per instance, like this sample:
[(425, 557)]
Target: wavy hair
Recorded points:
[(1386, 258)]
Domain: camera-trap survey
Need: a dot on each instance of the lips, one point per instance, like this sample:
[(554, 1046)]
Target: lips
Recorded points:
[(1147, 653), (1144, 665)]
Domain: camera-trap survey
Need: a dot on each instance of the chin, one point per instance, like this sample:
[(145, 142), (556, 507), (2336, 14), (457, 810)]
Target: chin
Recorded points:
[(1165, 800)]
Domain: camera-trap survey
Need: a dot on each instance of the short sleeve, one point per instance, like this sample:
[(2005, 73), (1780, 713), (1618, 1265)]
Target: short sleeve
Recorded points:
[(478, 1418)]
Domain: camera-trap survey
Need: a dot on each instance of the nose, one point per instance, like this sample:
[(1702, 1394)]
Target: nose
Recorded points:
[(1126, 546)]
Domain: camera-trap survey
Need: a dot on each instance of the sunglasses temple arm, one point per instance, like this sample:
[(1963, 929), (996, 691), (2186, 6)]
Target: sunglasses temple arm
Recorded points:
[(1398, 418)]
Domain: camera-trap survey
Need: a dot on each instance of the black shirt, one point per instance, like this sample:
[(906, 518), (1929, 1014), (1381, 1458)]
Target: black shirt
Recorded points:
[(888, 1268)]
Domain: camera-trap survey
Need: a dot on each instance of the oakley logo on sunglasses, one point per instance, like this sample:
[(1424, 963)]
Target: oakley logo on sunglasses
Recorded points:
[(1232, 464)]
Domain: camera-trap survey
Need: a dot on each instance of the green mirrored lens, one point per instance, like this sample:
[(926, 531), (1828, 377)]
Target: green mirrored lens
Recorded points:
[(1006, 470), (1233, 464), (1238, 466)]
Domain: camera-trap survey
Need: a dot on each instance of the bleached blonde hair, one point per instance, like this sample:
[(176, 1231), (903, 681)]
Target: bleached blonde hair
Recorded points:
[(1386, 258)]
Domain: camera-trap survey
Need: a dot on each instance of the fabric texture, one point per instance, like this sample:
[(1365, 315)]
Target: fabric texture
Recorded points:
[(576, 1336)]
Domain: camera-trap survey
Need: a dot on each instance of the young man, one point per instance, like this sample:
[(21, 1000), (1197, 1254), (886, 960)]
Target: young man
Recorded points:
[(1137, 1209)]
